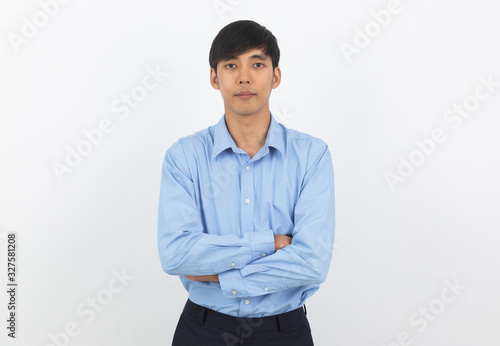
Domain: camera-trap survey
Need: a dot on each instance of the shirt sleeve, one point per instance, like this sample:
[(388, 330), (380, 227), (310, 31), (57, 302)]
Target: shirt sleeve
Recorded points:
[(307, 260), (183, 244)]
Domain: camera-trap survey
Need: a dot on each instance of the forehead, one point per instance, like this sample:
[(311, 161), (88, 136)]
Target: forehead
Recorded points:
[(251, 54)]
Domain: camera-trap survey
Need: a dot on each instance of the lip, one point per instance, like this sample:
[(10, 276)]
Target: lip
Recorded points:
[(245, 94)]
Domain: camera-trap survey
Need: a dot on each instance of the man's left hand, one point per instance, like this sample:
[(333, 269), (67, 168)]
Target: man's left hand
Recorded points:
[(214, 278)]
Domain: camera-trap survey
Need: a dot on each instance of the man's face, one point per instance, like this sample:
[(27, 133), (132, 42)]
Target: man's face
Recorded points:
[(246, 81)]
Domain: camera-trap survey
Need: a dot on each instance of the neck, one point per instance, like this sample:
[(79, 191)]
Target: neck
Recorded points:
[(249, 131)]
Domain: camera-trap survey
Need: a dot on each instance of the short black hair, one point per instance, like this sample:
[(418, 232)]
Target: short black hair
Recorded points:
[(239, 37)]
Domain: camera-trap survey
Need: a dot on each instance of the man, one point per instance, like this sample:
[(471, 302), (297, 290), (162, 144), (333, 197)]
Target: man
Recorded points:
[(246, 214)]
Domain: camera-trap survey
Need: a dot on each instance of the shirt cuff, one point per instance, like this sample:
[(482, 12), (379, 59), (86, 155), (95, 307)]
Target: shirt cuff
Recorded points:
[(231, 283), (261, 244)]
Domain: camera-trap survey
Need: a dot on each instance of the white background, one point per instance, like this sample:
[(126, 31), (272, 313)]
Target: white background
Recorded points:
[(395, 249)]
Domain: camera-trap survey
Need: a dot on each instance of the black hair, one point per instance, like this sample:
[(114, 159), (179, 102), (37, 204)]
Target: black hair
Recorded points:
[(239, 37)]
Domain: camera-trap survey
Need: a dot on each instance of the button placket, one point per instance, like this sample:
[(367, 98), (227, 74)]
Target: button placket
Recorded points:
[(246, 306), (247, 198)]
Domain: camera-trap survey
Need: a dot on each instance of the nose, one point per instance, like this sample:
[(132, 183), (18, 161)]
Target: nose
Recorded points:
[(244, 76), (244, 80)]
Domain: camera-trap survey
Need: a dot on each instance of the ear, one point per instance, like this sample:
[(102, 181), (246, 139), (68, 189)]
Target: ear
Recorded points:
[(213, 79), (276, 77)]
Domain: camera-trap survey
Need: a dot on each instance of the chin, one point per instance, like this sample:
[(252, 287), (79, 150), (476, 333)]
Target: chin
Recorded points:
[(245, 111)]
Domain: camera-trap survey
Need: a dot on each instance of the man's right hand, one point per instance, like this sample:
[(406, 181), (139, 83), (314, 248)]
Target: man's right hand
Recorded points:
[(281, 240)]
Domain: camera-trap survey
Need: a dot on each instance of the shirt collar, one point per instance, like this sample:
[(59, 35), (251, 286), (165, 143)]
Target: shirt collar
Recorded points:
[(223, 140)]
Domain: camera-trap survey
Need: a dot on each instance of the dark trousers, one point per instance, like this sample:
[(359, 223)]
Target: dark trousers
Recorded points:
[(199, 326)]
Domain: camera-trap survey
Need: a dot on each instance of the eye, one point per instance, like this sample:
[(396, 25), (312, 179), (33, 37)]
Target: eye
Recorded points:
[(230, 66), (259, 64)]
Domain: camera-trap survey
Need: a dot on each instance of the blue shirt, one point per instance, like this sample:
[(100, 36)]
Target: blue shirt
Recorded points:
[(219, 211)]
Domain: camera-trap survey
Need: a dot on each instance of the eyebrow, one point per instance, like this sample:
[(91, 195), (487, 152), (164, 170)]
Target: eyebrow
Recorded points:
[(258, 56), (255, 56)]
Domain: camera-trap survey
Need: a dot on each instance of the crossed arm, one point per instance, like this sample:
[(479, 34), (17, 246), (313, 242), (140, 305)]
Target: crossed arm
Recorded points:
[(280, 241), (259, 262)]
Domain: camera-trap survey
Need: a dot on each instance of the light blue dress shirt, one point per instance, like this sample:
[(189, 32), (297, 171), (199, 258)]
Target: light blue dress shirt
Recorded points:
[(219, 211)]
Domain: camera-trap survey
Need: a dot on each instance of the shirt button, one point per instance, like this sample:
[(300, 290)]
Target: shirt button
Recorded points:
[(265, 288), (247, 200), (233, 264), (233, 292), (248, 168), (247, 301), (263, 254)]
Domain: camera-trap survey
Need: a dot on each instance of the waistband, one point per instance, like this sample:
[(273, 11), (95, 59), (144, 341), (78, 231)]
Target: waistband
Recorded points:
[(280, 322)]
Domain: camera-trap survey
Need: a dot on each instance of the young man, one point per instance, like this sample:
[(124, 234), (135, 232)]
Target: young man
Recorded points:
[(246, 215)]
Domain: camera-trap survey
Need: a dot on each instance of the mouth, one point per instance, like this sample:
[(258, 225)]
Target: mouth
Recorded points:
[(245, 95)]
